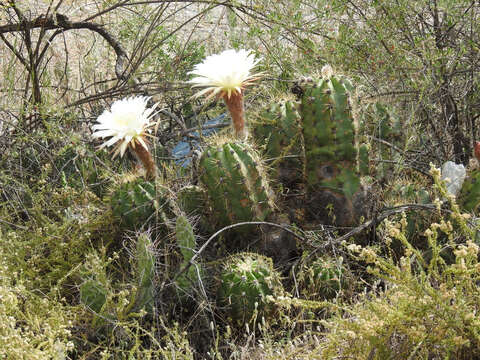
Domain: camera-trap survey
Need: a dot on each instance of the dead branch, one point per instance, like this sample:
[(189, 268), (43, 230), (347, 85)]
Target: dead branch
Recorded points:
[(62, 23)]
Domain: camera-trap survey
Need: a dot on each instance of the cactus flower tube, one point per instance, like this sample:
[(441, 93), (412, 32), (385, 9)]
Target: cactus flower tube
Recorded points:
[(226, 75), (128, 124)]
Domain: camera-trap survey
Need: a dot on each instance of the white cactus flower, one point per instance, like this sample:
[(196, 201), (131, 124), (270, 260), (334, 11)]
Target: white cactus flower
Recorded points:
[(226, 73), (127, 123)]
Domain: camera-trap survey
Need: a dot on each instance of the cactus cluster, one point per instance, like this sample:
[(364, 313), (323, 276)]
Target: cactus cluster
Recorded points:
[(312, 149), (236, 183), (245, 282)]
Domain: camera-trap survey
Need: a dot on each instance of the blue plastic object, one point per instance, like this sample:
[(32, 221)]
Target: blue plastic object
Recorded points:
[(182, 152)]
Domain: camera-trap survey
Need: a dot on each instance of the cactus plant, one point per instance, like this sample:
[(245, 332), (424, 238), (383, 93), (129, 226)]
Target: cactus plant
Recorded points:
[(93, 295), (144, 273), (322, 279), (329, 136), (186, 242), (245, 282), (278, 133), (334, 162), (469, 197), (278, 130), (191, 199), (94, 291), (235, 182), (136, 202)]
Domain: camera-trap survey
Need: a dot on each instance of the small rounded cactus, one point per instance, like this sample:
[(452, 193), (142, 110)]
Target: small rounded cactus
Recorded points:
[(245, 282), (322, 279)]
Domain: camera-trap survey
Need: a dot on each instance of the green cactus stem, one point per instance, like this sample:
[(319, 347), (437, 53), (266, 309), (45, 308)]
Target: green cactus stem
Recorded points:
[(186, 243), (329, 136), (137, 202), (144, 273), (469, 197), (245, 282), (236, 183)]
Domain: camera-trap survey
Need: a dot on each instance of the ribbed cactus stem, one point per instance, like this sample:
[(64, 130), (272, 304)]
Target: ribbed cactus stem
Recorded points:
[(235, 106), (147, 160)]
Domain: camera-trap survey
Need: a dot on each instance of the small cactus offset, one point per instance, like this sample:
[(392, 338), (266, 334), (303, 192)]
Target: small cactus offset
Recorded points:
[(137, 202), (144, 274), (329, 136), (469, 197), (380, 121), (245, 282), (322, 279), (187, 243), (236, 183)]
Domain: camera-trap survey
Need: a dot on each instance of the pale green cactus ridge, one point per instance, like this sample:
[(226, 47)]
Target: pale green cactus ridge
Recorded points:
[(186, 242), (236, 184), (245, 282), (144, 273)]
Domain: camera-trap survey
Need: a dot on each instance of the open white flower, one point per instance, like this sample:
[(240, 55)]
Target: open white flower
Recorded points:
[(227, 74), (128, 123)]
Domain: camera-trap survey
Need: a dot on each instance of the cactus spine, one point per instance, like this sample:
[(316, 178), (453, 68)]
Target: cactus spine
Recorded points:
[(245, 282), (236, 183)]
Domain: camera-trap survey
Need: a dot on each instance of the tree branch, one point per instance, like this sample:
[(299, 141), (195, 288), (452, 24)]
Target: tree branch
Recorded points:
[(59, 21)]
